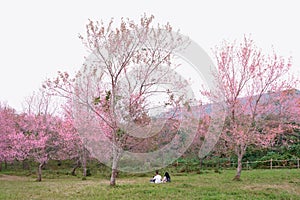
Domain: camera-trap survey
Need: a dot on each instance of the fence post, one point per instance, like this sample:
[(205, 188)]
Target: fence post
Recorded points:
[(271, 163), (247, 165), (298, 164)]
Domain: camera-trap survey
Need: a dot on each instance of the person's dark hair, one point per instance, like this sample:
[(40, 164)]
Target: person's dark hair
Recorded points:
[(167, 175), (156, 171)]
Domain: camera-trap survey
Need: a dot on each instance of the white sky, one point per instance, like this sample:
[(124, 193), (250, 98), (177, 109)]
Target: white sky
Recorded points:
[(37, 39)]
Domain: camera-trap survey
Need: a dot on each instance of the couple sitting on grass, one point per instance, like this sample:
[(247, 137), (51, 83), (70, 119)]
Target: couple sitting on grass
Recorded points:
[(157, 178)]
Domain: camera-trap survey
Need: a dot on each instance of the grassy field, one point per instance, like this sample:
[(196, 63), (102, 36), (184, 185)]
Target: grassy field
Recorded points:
[(255, 184)]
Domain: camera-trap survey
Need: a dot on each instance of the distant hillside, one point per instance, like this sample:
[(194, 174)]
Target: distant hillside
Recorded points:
[(267, 98)]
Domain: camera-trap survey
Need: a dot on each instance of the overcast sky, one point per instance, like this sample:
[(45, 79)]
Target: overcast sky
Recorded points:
[(38, 39)]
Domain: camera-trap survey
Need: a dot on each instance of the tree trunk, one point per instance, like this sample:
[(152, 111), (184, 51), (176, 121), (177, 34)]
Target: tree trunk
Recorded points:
[(5, 164), (0, 166), (25, 165), (201, 163), (84, 162), (113, 177), (77, 165), (114, 170), (239, 168), (39, 179)]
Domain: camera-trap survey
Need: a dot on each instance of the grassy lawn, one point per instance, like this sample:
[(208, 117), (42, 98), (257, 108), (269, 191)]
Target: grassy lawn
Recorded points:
[(255, 184)]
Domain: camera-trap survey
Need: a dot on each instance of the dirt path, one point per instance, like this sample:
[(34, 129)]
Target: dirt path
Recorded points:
[(5, 177)]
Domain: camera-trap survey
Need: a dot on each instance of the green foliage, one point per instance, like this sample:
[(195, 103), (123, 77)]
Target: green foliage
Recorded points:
[(294, 149), (107, 96), (120, 132), (88, 172), (96, 100)]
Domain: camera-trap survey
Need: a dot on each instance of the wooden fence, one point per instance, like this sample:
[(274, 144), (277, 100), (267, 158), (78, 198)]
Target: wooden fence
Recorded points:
[(265, 164), (273, 164)]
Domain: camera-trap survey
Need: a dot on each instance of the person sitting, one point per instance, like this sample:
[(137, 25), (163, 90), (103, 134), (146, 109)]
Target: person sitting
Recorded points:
[(156, 178), (167, 177)]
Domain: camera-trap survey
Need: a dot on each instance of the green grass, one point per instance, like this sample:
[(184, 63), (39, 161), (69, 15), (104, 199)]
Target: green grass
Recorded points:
[(255, 184)]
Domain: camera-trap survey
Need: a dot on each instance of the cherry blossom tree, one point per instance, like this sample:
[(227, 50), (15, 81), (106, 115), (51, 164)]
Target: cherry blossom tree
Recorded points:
[(251, 82), (7, 133), (21, 141), (113, 94), (72, 145), (16, 143), (41, 128), (286, 113)]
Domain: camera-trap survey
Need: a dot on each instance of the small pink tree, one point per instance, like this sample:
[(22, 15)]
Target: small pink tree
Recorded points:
[(41, 128), (71, 145), (21, 142), (250, 81), (15, 143), (7, 134)]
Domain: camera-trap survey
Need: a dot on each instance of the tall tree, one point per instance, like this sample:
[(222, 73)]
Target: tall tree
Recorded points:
[(114, 94), (251, 83)]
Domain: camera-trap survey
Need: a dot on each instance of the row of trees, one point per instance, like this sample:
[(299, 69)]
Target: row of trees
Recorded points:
[(128, 98)]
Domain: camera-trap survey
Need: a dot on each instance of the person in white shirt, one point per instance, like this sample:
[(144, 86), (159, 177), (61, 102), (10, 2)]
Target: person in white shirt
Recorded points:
[(156, 178)]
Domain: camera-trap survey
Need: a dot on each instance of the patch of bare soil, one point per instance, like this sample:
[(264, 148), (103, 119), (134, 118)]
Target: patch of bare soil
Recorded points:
[(5, 177)]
